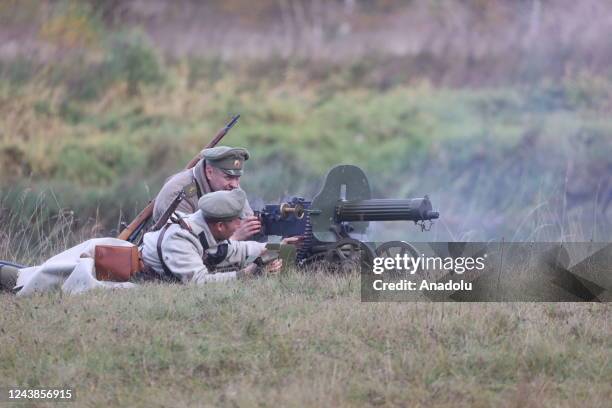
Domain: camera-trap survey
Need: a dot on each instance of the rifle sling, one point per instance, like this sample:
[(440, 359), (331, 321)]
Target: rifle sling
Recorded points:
[(167, 272), (210, 261), (198, 189)]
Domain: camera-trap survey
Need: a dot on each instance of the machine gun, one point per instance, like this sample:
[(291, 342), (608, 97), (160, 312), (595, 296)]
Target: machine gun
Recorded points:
[(344, 206)]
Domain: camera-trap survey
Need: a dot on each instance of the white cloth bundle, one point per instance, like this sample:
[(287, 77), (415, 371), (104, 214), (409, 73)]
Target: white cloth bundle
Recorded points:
[(72, 271)]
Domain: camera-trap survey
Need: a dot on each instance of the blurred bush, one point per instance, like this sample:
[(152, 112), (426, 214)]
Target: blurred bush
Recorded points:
[(132, 58), (128, 59), (13, 162), (97, 163), (18, 71), (70, 25)]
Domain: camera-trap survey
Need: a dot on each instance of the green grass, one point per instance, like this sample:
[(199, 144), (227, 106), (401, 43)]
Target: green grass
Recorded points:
[(303, 340)]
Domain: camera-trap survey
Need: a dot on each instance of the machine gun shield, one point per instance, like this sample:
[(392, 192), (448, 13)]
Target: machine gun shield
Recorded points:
[(343, 182)]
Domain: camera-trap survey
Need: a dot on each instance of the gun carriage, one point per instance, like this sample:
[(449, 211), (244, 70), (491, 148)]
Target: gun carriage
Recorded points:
[(337, 215)]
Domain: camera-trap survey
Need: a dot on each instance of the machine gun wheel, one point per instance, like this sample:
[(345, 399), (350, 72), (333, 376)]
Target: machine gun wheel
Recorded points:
[(348, 255), (391, 248)]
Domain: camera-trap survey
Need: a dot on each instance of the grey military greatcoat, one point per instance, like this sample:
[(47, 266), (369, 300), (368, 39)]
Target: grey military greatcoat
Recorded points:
[(183, 251)]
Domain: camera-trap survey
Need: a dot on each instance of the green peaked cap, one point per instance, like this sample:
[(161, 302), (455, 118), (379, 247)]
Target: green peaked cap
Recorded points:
[(229, 159)]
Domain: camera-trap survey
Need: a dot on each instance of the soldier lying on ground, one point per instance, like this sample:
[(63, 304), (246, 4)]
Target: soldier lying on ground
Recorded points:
[(185, 252), (219, 169), (190, 250)]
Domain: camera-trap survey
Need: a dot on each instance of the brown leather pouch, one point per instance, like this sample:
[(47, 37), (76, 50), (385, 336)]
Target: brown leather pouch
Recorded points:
[(116, 263)]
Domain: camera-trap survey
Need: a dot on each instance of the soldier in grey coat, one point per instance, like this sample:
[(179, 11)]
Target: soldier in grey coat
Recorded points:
[(190, 251), (219, 169)]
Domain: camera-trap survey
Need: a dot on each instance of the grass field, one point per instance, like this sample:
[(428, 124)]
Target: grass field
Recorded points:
[(303, 340)]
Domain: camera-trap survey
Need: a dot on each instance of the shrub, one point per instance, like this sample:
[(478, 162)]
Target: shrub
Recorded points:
[(18, 71), (134, 60), (97, 164)]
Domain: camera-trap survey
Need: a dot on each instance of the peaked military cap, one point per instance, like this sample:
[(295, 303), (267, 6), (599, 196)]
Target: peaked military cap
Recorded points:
[(222, 205), (228, 159)]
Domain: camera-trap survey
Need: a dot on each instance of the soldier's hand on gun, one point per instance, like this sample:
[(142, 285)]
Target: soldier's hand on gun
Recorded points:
[(273, 267), (248, 227), (297, 240)]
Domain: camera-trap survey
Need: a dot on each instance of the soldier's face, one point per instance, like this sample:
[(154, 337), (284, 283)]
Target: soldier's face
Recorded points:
[(224, 230), (220, 181)]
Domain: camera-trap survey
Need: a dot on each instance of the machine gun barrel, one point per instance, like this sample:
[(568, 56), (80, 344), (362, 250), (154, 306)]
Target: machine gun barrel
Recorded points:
[(415, 209)]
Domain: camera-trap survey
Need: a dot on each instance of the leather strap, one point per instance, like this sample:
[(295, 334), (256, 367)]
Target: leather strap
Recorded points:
[(148, 274), (160, 255), (198, 189), (211, 260)]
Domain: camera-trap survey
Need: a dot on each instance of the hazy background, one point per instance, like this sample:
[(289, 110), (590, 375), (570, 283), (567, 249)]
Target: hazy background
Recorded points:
[(499, 110)]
